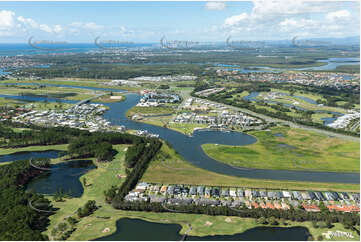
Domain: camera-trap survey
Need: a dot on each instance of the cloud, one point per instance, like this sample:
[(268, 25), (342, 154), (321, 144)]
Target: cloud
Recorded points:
[(58, 28), (268, 17), (236, 19), (338, 15), (88, 26), (215, 6), (7, 19), (28, 22)]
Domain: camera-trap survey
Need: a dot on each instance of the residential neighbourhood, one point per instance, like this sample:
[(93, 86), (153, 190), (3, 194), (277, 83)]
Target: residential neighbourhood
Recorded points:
[(237, 197)]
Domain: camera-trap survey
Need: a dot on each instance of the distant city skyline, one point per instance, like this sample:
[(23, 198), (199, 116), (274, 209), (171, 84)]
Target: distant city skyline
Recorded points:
[(148, 22)]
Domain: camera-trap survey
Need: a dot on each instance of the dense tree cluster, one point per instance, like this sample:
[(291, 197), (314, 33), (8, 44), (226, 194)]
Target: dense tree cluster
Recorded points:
[(324, 218), (19, 220), (88, 209), (116, 195)]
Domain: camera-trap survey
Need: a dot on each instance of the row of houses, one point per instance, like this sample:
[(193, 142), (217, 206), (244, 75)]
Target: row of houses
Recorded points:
[(240, 197)]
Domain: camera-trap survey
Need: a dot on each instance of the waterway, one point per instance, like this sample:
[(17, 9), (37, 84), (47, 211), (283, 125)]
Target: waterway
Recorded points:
[(128, 229), (63, 176), (190, 148), (253, 97)]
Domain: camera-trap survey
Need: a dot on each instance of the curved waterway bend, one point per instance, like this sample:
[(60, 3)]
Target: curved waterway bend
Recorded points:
[(190, 148)]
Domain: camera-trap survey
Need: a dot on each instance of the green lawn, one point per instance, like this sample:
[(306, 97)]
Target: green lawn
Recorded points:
[(98, 180), (309, 151), (4, 151), (105, 176), (151, 110), (175, 170)]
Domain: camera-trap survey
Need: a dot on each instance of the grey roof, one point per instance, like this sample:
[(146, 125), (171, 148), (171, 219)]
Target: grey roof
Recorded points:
[(271, 194), (193, 191), (205, 201), (319, 196), (240, 193), (297, 195), (263, 194), (181, 201), (225, 192)]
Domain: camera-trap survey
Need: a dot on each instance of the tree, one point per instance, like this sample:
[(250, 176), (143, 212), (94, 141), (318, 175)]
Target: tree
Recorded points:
[(62, 227), (84, 182)]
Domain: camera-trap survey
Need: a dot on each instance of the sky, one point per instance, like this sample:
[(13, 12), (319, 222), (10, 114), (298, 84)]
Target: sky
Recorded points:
[(148, 22)]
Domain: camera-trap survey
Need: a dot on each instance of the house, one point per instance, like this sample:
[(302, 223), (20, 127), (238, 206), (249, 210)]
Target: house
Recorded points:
[(312, 195), (208, 202), (240, 193), (200, 190), (263, 194), (177, 189), (286, 194), (285, 206), (142, 186), (262, 205), (185, 191), (297, 195), (311, 207), (355, 196), (305, 196), (163, 189), (279, 195), (226, 203), (319, 196), (271, 195), (215, 192), (336, 196), (180, 201), (269, 205), (255, 205), (255, 194), (237, 203), (156, 199), (277, 205), (225, 192), (170, 190), (232, 192), (208, 192), (344, 195), (193, 190)]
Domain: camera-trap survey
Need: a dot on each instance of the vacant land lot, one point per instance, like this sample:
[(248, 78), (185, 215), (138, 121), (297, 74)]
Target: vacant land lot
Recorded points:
[(169, 168), (291, 149)]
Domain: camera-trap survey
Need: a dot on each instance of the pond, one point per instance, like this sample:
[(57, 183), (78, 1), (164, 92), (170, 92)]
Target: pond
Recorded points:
[(63, 176), (128, 229), (26, 155)]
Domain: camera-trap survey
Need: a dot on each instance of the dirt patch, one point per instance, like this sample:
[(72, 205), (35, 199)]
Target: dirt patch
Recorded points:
[(208, 223), (228, 220), (106, 230)]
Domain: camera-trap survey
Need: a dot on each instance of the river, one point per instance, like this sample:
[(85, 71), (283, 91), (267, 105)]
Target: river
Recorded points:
[(190, 147)]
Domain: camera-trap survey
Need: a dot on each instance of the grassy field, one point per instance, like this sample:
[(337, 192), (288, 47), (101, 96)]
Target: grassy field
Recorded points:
[(74, 82), (150, 110), (98, 180), (297, 150), (33, 148), (105, 176), (176, 170), (65, 92)]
